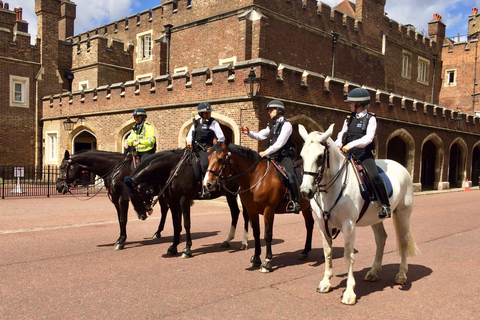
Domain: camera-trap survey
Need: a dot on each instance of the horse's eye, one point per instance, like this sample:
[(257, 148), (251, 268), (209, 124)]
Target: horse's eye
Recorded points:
[(220, 160)]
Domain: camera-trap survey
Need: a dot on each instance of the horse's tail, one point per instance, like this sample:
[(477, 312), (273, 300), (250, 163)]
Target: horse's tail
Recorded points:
[(412, 249)]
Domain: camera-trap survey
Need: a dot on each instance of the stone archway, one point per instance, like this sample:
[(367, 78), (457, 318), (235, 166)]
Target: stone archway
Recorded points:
[(432, 159), (401, 148), (457, 163), (309, 124), (475, 173), (84, 139)]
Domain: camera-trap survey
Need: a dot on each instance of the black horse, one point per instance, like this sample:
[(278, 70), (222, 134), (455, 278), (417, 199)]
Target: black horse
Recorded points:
[(172, 174), (113, 167)]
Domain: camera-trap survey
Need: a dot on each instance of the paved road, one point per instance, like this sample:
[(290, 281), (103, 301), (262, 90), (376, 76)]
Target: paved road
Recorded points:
[(57, 262)]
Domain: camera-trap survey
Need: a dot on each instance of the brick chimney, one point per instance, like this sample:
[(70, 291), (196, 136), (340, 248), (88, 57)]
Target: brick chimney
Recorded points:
[(20, 24), (474, 23), (67, 18), (436, 29)]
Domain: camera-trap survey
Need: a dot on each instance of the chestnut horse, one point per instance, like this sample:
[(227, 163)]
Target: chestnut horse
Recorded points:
[(330, 181), (261, 191)]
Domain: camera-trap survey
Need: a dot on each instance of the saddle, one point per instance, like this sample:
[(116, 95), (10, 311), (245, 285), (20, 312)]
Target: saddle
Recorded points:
[(282, 173), (366, 183), (195, 161)]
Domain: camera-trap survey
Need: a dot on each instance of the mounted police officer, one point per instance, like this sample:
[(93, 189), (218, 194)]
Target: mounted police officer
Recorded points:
[(357, 137), (279, 134), (142, 136), (204, 133)]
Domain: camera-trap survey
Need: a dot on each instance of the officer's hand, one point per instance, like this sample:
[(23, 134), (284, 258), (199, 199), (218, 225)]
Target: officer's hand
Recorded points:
[(346, 148), (125, 144), (263, 154), (245, 130), (189, 145), (136, 143)]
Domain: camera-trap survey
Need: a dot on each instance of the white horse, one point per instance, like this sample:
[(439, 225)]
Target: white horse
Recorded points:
[(330, 182)]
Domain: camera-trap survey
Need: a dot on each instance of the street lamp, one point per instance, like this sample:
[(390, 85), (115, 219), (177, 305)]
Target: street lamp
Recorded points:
[(458, 121), (252, 83), (69, 123)]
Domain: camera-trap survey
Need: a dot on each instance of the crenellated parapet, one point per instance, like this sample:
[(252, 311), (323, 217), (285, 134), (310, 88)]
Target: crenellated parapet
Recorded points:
[(295, 86), (14, 36)]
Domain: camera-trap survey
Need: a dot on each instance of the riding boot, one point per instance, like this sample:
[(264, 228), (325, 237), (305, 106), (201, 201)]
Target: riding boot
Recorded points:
[(294, 204), (383, 199)]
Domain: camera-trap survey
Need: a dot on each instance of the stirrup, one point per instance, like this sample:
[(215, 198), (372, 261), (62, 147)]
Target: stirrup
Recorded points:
[(385, 213), (293, 206)]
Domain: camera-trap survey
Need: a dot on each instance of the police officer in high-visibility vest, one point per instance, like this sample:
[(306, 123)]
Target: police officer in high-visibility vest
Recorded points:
[(357, 137), (142, 136), (279, 134), (204, 133)]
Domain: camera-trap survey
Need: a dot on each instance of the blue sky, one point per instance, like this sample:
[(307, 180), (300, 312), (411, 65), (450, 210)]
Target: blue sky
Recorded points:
[(95, 13)]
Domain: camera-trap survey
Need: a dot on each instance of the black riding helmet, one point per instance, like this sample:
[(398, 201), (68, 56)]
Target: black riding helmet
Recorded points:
[(360, 95), (277, 104), (140, 112), (204, 107)]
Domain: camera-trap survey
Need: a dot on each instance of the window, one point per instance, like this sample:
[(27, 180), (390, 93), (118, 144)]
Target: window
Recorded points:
[(423, 65), (83, 85), (144, 45), (407, 65), (450, 78), (52, 146), (19, 91)]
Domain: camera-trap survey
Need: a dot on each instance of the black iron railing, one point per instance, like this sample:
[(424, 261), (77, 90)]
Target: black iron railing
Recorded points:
[(27, 181)]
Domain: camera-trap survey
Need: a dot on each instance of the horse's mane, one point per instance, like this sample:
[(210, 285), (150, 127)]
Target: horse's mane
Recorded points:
[(96, 152), (236, 149), (157, 156)]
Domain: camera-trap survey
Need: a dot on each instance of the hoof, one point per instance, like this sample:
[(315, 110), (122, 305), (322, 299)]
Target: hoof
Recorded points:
[(303, 256), (370, 277), (349, 300), (172, 251), (266, 266), (325, 289), (401, 280), (225, 244), (142, 217), (255, 261), (186, 253), (244, 246), (119, 246), (156, 235)]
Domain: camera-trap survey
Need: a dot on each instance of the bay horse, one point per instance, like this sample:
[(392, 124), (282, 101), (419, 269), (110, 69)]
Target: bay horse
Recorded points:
[(329, 180), (112, 167), (171, 174), (261, 190)]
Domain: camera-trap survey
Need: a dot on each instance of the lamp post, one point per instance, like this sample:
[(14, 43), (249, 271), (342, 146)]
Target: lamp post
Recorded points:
[(69, 123), (458, 121), (252, 83)]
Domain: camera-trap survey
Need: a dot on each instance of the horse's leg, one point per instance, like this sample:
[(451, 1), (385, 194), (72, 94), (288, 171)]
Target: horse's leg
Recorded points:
[(255, 260), (309, 222), (246, 219), (268, 217), (185, 204), (122, 212), (164, 210), (177, 227), (348, 229), (380, 239), (325, 285), (234, 212), (406, 242)]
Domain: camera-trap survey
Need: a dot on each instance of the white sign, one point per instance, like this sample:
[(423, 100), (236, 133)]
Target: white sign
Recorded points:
[(19, 172)]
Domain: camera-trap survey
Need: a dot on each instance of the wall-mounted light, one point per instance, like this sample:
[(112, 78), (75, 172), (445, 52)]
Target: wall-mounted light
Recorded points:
[(69, 123), (458, 121), (252, 83)]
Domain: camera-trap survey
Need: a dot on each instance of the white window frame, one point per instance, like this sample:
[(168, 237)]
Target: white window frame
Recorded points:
[(447, 82), (144, 53), (24, 82), (51, 138), (83, 85), (423, 67), (231, 60), (406, 64)]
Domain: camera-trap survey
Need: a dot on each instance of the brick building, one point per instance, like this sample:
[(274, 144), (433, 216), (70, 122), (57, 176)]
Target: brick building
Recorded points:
[(307, 54)]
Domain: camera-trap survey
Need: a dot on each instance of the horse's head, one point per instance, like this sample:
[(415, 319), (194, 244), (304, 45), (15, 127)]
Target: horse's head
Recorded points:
[(142, 196), (219, 166), (69, 172), (315, 157)]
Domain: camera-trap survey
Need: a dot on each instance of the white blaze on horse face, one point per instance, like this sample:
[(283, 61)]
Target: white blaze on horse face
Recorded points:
[(311, 151)]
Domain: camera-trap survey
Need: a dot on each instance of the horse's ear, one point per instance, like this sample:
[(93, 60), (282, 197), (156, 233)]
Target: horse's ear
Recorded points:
[(67, 155), (330, 130), (303, 132)]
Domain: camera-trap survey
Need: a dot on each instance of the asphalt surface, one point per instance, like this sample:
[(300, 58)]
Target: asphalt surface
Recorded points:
[(57, 262)]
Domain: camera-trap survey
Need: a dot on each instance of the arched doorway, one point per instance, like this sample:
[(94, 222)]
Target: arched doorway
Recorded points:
[(84, 140), (397, 151), (475, 166), (455, 172), (429, 158)]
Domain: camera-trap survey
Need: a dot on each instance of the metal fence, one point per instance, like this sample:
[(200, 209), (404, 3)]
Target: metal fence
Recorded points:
[(27, 181)]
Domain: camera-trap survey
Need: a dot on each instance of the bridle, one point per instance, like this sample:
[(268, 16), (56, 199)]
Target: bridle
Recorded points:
[(318, 175), (223, 180)]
